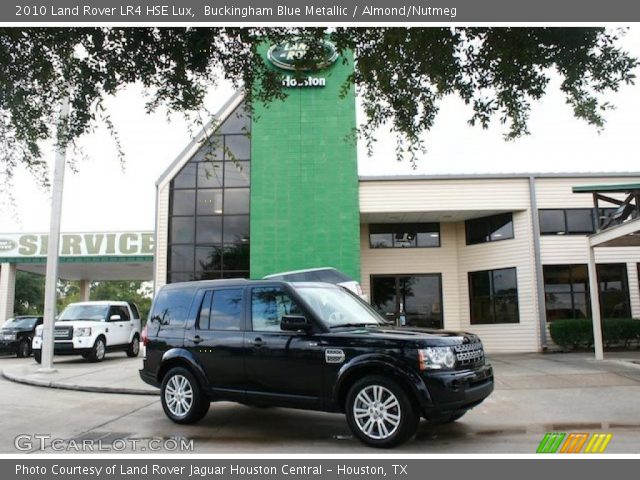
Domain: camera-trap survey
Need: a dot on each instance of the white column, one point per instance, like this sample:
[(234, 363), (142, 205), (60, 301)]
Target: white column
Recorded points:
[(85, 290), (594, 293), (7, 291)]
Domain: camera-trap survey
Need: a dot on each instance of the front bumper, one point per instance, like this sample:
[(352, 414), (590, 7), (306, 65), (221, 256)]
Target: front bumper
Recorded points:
[(456, 391), (9, 346), (75, 346)]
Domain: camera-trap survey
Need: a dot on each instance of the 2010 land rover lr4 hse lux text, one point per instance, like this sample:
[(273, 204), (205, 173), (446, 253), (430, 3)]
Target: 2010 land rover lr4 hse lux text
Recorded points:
[(313, 346)]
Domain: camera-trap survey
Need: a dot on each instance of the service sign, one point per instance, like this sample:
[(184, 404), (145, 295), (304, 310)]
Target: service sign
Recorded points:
[(286, 55), (113, 244)]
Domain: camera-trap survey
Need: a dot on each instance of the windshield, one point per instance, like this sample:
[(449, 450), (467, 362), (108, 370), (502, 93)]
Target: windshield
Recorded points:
[(28, 322), (337, 308), (96, 313)]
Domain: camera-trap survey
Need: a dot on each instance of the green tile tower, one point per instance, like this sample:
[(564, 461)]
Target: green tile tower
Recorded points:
[(304, 179)]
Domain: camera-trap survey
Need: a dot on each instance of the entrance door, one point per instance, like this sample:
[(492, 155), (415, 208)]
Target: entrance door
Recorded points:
[(409, 300)]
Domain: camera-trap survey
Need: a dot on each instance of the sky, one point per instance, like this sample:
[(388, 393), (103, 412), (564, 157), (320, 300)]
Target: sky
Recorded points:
[(103, 196)]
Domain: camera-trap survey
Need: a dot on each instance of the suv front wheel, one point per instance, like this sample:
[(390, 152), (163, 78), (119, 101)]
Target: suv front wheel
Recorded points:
[(98, 351), (379, 412), (182, 398)]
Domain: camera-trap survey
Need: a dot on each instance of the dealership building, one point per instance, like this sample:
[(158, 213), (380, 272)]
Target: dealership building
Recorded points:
[(499, 255)]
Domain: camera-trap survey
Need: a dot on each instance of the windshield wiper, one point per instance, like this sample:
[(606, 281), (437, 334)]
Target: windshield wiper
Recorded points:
[(355, 325)]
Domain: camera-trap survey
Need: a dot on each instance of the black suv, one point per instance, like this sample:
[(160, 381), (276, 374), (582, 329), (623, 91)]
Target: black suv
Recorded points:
[(313, 346), (16, 335)]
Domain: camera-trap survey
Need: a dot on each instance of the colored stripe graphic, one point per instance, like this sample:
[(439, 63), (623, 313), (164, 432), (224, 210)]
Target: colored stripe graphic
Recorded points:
[(559, 442), (550, 442), (574, 443), (598, 443)]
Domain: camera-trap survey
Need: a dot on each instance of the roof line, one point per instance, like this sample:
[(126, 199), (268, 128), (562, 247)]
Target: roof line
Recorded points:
[(471, 176), (218, 117)]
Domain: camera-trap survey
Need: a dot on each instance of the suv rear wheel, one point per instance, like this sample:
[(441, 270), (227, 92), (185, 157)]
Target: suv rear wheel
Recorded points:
[(182, 398), (24, 349), (134, 347), (379, 412)]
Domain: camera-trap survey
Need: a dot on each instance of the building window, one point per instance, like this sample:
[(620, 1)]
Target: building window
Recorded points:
[(409, 300), (404, 235), (489, 229), (614, 290), (209, 207), (566, 289), (569, 221), (493, 296)]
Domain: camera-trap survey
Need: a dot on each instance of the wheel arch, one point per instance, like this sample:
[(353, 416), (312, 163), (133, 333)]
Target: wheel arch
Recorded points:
[(388, 367), (179, 357)]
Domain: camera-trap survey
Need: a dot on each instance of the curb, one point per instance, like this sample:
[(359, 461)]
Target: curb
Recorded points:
[(77, 388)]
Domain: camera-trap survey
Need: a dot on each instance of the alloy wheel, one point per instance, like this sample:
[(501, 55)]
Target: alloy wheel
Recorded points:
[(178, 395), (377, 412)]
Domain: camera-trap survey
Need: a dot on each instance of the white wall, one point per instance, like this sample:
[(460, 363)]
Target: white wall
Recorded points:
[(454, 259), (162, 236)]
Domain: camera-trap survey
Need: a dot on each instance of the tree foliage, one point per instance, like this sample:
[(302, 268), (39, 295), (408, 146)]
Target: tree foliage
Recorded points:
[(29, 294), (401, 74), (137, 292)]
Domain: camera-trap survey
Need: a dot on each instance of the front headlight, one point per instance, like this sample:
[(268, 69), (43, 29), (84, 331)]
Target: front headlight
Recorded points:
[(39, 331), (82, 332), (436, 358)]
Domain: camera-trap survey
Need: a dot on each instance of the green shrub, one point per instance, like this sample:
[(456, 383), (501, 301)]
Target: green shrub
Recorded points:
[(578, 333)]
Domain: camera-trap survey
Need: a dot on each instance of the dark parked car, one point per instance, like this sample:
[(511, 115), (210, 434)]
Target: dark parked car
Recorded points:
[(16, 335), (311, 346)]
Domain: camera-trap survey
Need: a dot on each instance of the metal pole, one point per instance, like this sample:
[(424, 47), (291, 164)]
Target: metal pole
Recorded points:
[(594, 293), (53, 244)]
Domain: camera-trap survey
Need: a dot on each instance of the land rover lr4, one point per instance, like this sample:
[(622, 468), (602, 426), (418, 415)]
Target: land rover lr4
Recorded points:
[(312, 346)]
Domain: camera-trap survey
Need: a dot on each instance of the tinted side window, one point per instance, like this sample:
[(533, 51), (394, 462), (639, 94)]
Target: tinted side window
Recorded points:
[(134, 310), (119, 310), (268, 305), (226, 310), (171, 307)]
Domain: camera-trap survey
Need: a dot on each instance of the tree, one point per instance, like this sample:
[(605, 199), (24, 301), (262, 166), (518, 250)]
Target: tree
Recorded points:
[(400, 73), (137, 292), (29, 293)]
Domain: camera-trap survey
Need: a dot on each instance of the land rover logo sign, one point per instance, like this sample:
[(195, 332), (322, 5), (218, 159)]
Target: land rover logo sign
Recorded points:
[(285, 55), (6, 244)]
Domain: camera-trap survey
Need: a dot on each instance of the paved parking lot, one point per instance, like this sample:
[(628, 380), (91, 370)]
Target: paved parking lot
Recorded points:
[(534, 394)]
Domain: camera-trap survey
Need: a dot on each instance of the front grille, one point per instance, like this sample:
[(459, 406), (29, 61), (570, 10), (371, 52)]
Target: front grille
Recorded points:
[(469, 354), (63, 333)]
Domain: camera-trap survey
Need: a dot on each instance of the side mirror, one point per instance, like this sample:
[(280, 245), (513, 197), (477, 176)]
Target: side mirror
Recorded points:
[(294, 323), (114, 318)]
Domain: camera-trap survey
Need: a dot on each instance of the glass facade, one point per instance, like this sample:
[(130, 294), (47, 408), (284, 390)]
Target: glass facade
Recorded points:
[(409, 300), (566, 289), (209, 207), (493, 296), (489, 229), (404, 235), (614, 290)]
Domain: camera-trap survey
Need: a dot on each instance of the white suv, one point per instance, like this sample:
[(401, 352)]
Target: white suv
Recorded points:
[(91, 329), (324, 274)]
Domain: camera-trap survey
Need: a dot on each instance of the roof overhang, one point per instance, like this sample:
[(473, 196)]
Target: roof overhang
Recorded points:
[(428, 216), (624, 235)]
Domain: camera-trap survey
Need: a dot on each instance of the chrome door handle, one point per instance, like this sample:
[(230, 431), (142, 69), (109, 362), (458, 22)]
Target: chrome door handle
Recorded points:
[(258, 342), (197, 339)]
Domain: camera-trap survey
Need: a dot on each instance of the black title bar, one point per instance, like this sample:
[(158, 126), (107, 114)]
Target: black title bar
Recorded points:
[(320, 11)]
